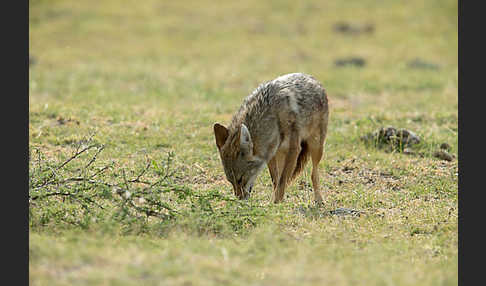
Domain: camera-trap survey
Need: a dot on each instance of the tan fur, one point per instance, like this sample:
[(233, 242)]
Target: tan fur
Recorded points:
[(281, 124)]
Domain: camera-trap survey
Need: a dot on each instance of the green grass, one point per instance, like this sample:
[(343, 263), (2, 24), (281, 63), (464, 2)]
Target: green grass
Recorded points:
[(150, 78)]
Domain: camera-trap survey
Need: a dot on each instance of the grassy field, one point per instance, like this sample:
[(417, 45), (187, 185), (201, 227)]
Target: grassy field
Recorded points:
[(125, 182)]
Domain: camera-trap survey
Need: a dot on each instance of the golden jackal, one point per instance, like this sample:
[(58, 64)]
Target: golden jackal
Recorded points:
[(281, 124)]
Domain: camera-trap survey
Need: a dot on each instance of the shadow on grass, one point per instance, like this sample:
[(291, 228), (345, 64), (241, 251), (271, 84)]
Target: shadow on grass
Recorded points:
[(316, 212)]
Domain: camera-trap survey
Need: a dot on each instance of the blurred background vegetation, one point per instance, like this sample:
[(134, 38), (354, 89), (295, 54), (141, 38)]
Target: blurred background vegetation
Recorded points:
[(149, 78)]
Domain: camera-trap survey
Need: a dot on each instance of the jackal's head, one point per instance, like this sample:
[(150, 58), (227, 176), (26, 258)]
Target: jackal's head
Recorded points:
[(241, 166)]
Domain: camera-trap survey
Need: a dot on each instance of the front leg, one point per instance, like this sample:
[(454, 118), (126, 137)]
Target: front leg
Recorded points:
[(289, 166), (273, 169)]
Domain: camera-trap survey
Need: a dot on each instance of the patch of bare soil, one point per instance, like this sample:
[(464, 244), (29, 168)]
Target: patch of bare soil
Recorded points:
[(422, 64), (353, 29), (350, 61)]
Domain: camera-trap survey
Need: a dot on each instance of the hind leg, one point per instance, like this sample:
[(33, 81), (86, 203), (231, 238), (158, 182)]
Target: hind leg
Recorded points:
[(316, 150), (316, 147)]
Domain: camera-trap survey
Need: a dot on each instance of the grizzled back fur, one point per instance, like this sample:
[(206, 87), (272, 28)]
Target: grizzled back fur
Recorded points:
[(266, 95)]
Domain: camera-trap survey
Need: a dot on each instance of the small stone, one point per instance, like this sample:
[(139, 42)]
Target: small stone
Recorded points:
[(441, 154), (445, 146), (345, 211), (408, 151)]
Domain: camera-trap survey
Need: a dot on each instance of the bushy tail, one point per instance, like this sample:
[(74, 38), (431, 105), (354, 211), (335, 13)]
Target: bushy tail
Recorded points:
[(301, 160)]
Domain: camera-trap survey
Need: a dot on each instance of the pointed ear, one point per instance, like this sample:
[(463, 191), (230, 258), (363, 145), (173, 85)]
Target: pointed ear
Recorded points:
[(221, 134), (245, 138)]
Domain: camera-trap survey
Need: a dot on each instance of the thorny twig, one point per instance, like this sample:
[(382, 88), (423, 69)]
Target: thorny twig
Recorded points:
[(95, 156), (75, 155), (137, 179)]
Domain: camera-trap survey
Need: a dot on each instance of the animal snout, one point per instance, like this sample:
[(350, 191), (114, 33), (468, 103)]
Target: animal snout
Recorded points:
[(246, 194), (243, 193)]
